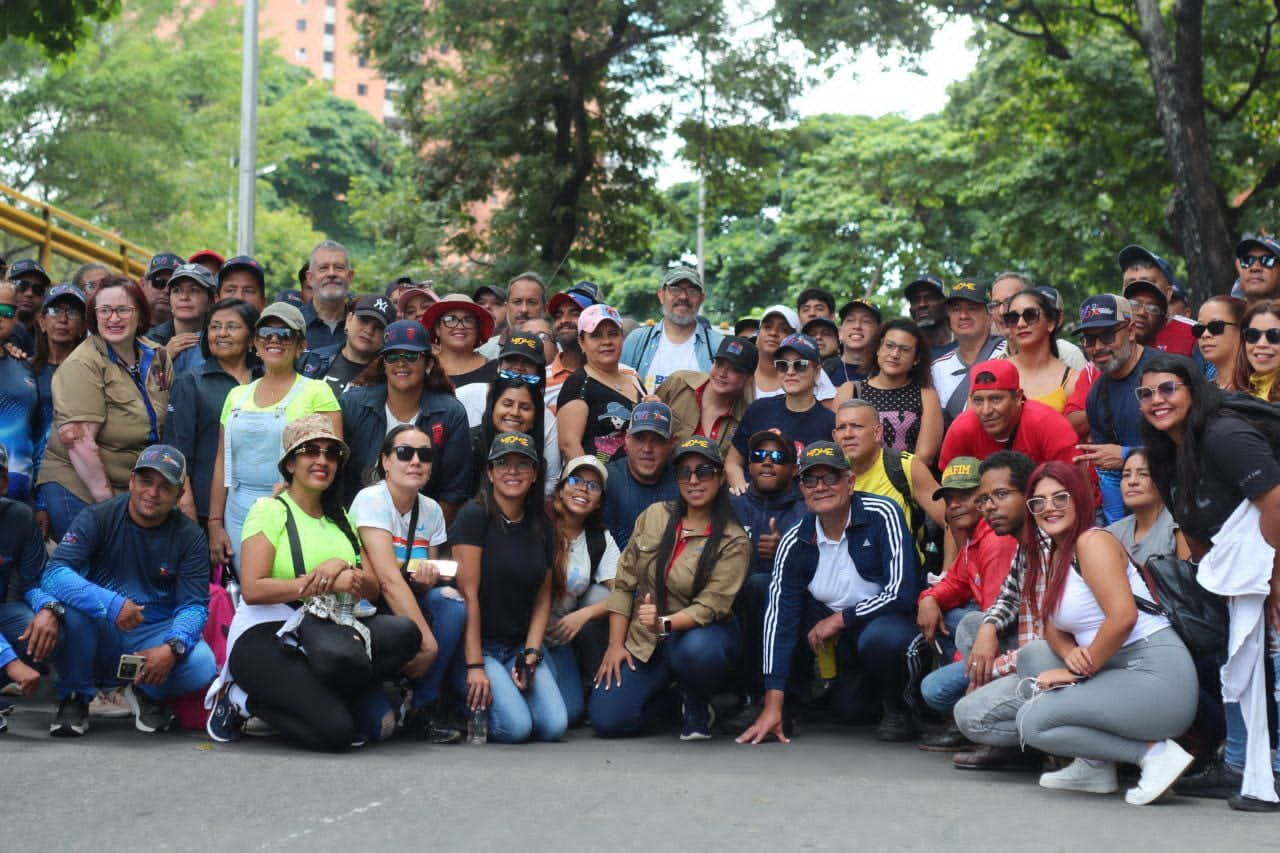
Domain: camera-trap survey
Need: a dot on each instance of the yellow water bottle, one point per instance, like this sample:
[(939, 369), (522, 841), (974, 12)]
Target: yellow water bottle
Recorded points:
[(827, 659)]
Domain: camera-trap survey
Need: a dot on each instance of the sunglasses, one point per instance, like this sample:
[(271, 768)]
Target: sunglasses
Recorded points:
[(1030, 316), (1213, 327), (8, 312), (589, 485), (396, 356), (331, 452), (1040, 505), (275, 333), (800, 365), (1165, 389), (30, 287), (528, 378), (1106, 338), (1252, 335), (827, 478), (1267, 261), (777, 457), (404, 453), (703, 472)]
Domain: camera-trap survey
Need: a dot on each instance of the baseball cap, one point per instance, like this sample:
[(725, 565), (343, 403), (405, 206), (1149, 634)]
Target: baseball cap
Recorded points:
[(526, 346), (63, 290), (704, 447), (1050, 293), (375, 306), (589, 461), (802, 345), (165, 460), (196, 273), (1132, 254), (592, 316), (651, 417), (1263, 241), (741, 354), (865, 305), (27, 266), (970, 291), (286, 313), (999, 374), (1104, 311), (682, 273), (244, 262), (395, 284), (406, 336), (961, 473), (165, 261), (584, 293), (746, 324), (928, 280), (308, 428), (1179, 292), (759, 438), (826, 453), (206, 255), (290, 297), (492, 290), (1144, 286), (416, 290), (820, 321), (512, 442), (788, 313)]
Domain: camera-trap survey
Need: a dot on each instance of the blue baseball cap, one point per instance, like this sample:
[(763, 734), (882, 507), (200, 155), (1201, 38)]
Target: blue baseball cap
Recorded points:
[(166, 460), (406, 336), (1134, 254), (244, 262), (163, 262), (64, 291), (802, 345), (27, 266), (651, 417), (1103, 312)]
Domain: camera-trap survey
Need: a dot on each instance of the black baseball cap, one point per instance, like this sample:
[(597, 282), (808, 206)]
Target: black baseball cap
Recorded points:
[(759, 438), (27, 266), (741, 354), (968, 290), (375, 306), (526, 346), (700, 445), (820, 321), (244, 262), (492, 290), (928, 280), (865, 305), (163, 262), (1263, 241), (512, 442), (820, 453), (746, 324), (1133, 254), (1144, 286)]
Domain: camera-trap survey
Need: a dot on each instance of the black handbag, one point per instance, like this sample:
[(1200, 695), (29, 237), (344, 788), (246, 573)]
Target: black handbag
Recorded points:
[(1199, 616)]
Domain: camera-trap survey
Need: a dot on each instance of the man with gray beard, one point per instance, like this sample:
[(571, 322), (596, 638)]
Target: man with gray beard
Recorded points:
[(329, 274), (678, 341)]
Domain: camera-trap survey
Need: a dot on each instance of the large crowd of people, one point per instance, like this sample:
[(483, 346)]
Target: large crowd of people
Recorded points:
[(342, 518)]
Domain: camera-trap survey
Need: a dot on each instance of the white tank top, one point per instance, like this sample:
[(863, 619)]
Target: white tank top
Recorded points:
[(1079, 614)]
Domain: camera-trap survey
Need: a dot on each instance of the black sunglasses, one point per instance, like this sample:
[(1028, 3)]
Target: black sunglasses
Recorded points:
[(777, 457), (1213, 327), (1107, 338), (1030, 316), (275, 333), (1267, 261), (1252, 335), (827, 478), (703, 472), (401, 355), (329, 451), (34, 286), (404, 453)]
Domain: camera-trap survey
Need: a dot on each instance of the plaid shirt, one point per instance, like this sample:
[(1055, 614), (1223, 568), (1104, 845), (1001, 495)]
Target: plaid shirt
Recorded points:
[(1011, 604)]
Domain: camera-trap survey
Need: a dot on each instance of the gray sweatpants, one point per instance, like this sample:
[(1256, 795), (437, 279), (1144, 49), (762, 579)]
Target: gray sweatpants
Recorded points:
[(989, 714), (1146, 692)]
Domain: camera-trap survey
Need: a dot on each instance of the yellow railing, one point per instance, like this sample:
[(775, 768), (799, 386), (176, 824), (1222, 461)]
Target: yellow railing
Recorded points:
[(58, 232)]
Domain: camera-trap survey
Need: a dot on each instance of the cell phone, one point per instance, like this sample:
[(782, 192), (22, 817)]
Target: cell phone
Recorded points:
[(526, 672), (130, 666), (446, 568)]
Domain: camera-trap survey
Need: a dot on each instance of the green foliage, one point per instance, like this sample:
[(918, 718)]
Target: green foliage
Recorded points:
[(57, 27)]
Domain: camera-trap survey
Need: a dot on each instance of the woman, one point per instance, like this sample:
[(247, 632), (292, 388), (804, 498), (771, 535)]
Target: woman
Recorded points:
[(1261, 334), (407, 385), (1133, 684), (586, 560), (22, 419), (1210, 464), (901, 389), (195, 406), (1033, 322), (513, 405), (266, 675), (1217, 331), (1149, 530), (671, 608), (457, 326), (60, 328), (110, 398), (402, 560), (252, 421), (504, 551), (595, 402)]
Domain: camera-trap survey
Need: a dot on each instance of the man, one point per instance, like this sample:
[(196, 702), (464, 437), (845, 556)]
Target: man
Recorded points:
[(712, 404), (1108, 330), (395, 289), (949, 613), (815, 302), (825, 331), (340, 364), (32, 282), (747, 327), (132, 574), (191, 289), (1171, 334), (677, 341), (28, 623), (842, 576), (1258, 265), (526, 300), (242, 277), (155, 286), (330, 275), (988, 713), (970, 320), (565, 309), (859, 322), (644, 475), (1179, 305), (926, 301), (493, 299), (304, 282), (1000, 417), (209, 259)]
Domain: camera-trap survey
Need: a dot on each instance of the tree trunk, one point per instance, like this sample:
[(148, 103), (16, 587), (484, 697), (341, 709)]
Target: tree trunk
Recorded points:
[(1199, 214)]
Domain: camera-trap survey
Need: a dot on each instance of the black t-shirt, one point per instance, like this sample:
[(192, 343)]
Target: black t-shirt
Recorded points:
[(485, 373), (608, 413), (512, 570), (1239, 465), (814, 424), (341, 373)]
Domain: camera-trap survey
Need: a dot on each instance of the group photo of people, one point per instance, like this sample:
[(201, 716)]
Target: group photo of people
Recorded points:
[(1028, 536)]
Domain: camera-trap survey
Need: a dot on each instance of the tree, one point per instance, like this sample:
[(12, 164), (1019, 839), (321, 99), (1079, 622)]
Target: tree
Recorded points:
[(56, 26)]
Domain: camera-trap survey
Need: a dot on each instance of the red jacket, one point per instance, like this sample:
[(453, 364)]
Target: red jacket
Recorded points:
[(978, 572)]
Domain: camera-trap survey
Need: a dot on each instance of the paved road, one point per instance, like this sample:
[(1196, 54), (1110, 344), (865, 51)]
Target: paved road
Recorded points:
[(829, 790)]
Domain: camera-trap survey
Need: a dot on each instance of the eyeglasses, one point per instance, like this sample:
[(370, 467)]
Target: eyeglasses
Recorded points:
[(1000, 495), (1147, 308), (530, 378), (1165, 389), (827, 478), (1267, 261), (1106, 338), (589, 485), (1030, 316), (71, 312), (703, 472), (8, 312), (330, 452), (684, 287), (777, 457), (1040, 505), (511, 462), (275, 333), (122, 311), (460, 321), (405, 452), (399, 355), (891, 347), (994, 307), (219, 328), (30, 287), (800, 365), (1252, 335), (1213, 327)]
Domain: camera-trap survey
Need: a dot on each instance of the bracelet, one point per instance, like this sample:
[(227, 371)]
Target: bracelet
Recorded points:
[(531, 651), (475, 666)]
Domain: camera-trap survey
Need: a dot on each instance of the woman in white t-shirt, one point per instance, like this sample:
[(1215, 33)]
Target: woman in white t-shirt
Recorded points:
[(408, 571), (586, 560)]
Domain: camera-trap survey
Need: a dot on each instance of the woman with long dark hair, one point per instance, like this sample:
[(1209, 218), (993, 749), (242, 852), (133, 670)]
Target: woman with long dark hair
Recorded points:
[(671, 608), (1133, 684), (596, 400), (1033, 321), (458, 326), (512, 405), (1260, 330), (1217, 332), (1148, 530)]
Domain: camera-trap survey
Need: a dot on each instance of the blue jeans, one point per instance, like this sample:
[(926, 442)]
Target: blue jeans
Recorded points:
[(1237, 736), (90, 653), (946, 685), (698, 660), (448, 618), (563, 662), (516, 716), (63, 508), (14, 619)]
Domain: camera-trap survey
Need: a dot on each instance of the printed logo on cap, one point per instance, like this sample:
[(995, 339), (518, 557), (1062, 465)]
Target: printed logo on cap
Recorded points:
[(958, 469), (382, 305), (695, 442), (816, 452), (964, 285), (1096, 309), (524, 342), (514, 438), (733, 348), (649, 415)]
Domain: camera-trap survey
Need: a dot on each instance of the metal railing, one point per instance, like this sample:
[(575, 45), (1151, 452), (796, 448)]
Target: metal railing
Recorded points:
[(57, 232)]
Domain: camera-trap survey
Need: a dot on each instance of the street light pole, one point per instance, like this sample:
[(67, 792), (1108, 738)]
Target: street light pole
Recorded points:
[(248, 128)]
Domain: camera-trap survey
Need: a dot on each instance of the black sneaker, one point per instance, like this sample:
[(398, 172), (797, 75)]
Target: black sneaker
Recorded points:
[(6, 707), (896, 726), (149, 715), (696, 721), (72, 719), (421, 726), (949, 739), (1217, 781), (225, 725), (1241, 803)]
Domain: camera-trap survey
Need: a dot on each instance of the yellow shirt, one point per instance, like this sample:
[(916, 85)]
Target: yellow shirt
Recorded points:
[(1260, 385), (876, 481)]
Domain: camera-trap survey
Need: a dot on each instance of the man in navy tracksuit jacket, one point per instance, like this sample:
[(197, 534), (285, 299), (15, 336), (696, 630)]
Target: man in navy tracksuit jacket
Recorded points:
[(846, 573)]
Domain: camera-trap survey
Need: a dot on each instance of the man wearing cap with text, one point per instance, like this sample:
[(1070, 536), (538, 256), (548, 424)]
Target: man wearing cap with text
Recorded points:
[(677, 341), (844, 575), (340, 364), (132, 576), (926, 302), (712, 404), (975, 341)]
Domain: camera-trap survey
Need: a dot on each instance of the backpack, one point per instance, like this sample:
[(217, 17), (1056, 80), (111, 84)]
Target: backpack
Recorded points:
[(924, 530), (189, 710)]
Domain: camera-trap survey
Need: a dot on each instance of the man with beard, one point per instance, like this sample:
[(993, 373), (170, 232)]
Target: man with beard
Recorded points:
[(677, 341), (642, 477), (1258, 265), (329, 275), (565, 309), (927, 303), (340, 364)]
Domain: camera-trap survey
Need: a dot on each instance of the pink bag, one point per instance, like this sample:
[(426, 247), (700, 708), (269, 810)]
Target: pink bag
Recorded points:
[(189, 710)]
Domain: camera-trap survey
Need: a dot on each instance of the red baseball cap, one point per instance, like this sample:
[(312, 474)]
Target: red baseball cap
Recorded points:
[(207, 254), (996, 375)]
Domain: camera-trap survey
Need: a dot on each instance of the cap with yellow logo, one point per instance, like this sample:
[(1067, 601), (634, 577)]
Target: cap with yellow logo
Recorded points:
[(962, 473), (512, 442), (826, 453), (524, 345), (700, 445)]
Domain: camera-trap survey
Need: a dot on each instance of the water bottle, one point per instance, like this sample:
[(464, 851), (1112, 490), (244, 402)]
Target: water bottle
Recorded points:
[(343, 604), (478, 726)]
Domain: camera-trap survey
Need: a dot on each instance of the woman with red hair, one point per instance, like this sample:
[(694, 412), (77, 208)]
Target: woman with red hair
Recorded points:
[(1111, 683)]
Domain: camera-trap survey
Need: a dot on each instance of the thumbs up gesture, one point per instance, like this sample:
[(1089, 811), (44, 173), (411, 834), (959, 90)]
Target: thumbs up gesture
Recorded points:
[(768, 545), (647, 615)]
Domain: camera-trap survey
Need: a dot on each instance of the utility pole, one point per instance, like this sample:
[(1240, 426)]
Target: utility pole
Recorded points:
[(702, 173), (248, 128)]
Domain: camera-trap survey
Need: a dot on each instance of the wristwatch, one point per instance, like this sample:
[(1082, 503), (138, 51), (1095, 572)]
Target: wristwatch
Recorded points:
[(664, 626), (57, 610), (178, 647)]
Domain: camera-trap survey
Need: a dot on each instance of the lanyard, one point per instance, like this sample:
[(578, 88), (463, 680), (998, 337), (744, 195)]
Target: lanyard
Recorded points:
[(138, 374)]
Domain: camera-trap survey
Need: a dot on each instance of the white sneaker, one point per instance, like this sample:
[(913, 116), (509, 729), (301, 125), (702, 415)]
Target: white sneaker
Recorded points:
[(110, 703), (1080, 775), (1159, 772)]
